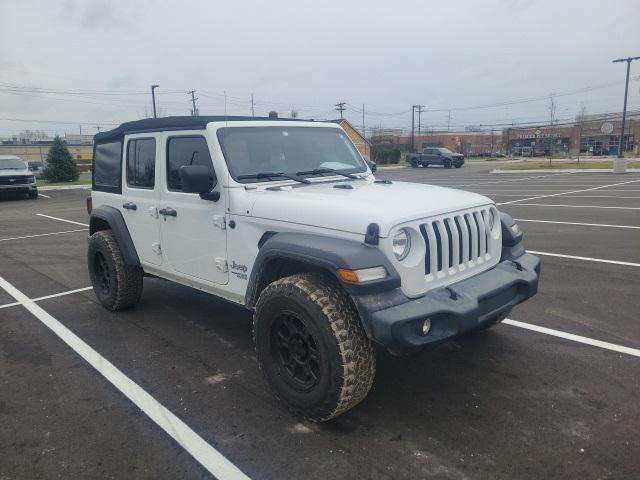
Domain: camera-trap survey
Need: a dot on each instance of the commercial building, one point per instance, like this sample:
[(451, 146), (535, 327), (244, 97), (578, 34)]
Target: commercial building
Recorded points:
[(591, 135), (36, 149)]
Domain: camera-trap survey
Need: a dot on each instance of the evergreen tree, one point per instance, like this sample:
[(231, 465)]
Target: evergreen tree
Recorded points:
[(60, 164)]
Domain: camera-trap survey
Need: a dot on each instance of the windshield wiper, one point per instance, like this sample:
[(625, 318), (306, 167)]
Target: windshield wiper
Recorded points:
[(273, 175), (319, 171)]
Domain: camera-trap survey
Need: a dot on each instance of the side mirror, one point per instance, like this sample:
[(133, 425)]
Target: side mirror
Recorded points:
[(373, 166), (196, 179)]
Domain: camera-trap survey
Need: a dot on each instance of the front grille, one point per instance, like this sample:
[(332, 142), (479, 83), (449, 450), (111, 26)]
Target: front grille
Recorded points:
[(456, 243), (15, 180)]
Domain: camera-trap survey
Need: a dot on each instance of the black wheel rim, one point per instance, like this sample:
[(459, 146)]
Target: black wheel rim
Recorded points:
[(102, 273), (296, 352)]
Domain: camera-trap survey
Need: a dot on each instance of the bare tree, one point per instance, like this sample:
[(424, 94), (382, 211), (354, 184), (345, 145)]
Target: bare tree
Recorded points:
[(552, 121), (580, 119)]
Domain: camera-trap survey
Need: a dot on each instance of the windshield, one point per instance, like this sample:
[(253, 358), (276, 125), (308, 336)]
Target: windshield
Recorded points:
[(11, 164), (250, 151), (445, 150)]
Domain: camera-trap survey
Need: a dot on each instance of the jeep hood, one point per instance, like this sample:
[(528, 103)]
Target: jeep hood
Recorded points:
[(352, 210)]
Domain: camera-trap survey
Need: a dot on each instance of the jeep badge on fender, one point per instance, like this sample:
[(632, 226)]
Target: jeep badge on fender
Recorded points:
[(285, 218)]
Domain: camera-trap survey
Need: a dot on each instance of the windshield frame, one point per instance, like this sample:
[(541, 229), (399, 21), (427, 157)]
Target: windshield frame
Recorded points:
[(16, 161), (362, 169)]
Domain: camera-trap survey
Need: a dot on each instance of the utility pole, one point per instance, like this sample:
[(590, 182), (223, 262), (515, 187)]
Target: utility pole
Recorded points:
[(153, 98), (340, 106), (420, 110), (413, 115), (253, 113), (449, 122), (624, 108), (364, 134), (194, 112)]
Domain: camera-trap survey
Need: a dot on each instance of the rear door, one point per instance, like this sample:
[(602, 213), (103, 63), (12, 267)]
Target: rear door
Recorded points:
[(140, 195), (194, 240)]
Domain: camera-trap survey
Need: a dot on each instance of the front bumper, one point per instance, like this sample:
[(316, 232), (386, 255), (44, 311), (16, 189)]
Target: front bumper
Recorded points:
[(395, 321), (19, 187)]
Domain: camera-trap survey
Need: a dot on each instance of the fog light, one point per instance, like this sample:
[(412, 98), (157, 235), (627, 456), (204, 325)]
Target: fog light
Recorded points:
[(426, 326)]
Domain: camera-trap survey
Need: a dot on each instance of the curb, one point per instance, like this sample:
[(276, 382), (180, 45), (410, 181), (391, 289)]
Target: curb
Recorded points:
[(64, 187)]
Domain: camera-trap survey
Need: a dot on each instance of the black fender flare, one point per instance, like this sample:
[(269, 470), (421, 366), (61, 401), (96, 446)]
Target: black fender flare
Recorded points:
[(112, 217), (324, 253)]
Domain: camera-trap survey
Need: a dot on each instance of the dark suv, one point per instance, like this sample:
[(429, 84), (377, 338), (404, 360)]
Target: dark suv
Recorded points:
[(436, 156)]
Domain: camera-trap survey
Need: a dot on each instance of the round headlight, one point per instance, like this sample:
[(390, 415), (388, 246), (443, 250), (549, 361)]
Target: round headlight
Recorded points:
[(401, 244)]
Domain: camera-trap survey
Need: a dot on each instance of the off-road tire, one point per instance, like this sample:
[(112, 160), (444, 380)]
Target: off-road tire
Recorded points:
[(124, 285), (347, 362)]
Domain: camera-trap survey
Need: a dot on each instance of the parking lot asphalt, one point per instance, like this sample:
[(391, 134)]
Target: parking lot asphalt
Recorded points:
[(507, 403)]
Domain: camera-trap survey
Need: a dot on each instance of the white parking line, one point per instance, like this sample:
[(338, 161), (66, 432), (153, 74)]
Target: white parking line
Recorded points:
[(565, 193), (567, 206), (576, 338), (45, 196), (46, 297), (62, 219), (193, 443), (577, 223), (42, 235), (495, 194), (587, 259)]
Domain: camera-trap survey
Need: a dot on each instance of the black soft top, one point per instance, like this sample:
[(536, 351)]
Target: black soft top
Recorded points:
[(174, 123)]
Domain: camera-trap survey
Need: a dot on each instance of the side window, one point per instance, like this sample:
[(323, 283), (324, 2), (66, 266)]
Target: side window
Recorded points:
[(141, 163), (107, 167), (428, 151), (187, 151)]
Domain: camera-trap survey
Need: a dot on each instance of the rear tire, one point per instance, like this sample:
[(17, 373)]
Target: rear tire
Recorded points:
[(414, 163), (311, 346), (117, 285)]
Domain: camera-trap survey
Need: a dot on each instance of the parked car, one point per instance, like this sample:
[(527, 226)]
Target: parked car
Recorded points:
[(286, 219), (16, 177), (37, 168), (435, 156)]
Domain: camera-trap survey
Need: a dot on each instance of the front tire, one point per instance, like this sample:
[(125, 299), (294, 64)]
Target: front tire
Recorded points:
[(311, 346), (447, 163), (117, 285), (33, 195)]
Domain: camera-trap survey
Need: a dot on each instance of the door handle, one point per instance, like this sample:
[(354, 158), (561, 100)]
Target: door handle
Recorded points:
[(168, 212), (130, 206)]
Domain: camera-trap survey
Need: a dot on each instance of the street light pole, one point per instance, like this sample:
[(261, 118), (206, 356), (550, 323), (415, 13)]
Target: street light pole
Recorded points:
[(153, 98), (624, 108)]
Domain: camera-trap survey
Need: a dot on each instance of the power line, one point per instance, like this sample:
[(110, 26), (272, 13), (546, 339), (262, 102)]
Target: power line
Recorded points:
[(340, 106)]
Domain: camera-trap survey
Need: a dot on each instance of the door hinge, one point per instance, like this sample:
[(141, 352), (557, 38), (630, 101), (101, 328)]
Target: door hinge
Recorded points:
[(155, 246), (153, 211), (222, 265), (220, 222)]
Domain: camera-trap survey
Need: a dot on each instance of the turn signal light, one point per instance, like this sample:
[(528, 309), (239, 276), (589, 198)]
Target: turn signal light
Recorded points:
[(363, 275)]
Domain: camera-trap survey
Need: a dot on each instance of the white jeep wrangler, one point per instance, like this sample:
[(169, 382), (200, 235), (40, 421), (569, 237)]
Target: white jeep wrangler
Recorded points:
[(286, 219)]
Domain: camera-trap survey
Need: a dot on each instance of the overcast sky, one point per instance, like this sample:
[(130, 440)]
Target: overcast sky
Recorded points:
[(95, 59)]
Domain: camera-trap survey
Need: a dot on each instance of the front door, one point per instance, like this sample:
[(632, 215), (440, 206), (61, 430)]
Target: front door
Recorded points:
[(142, 193), (194, 241)]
